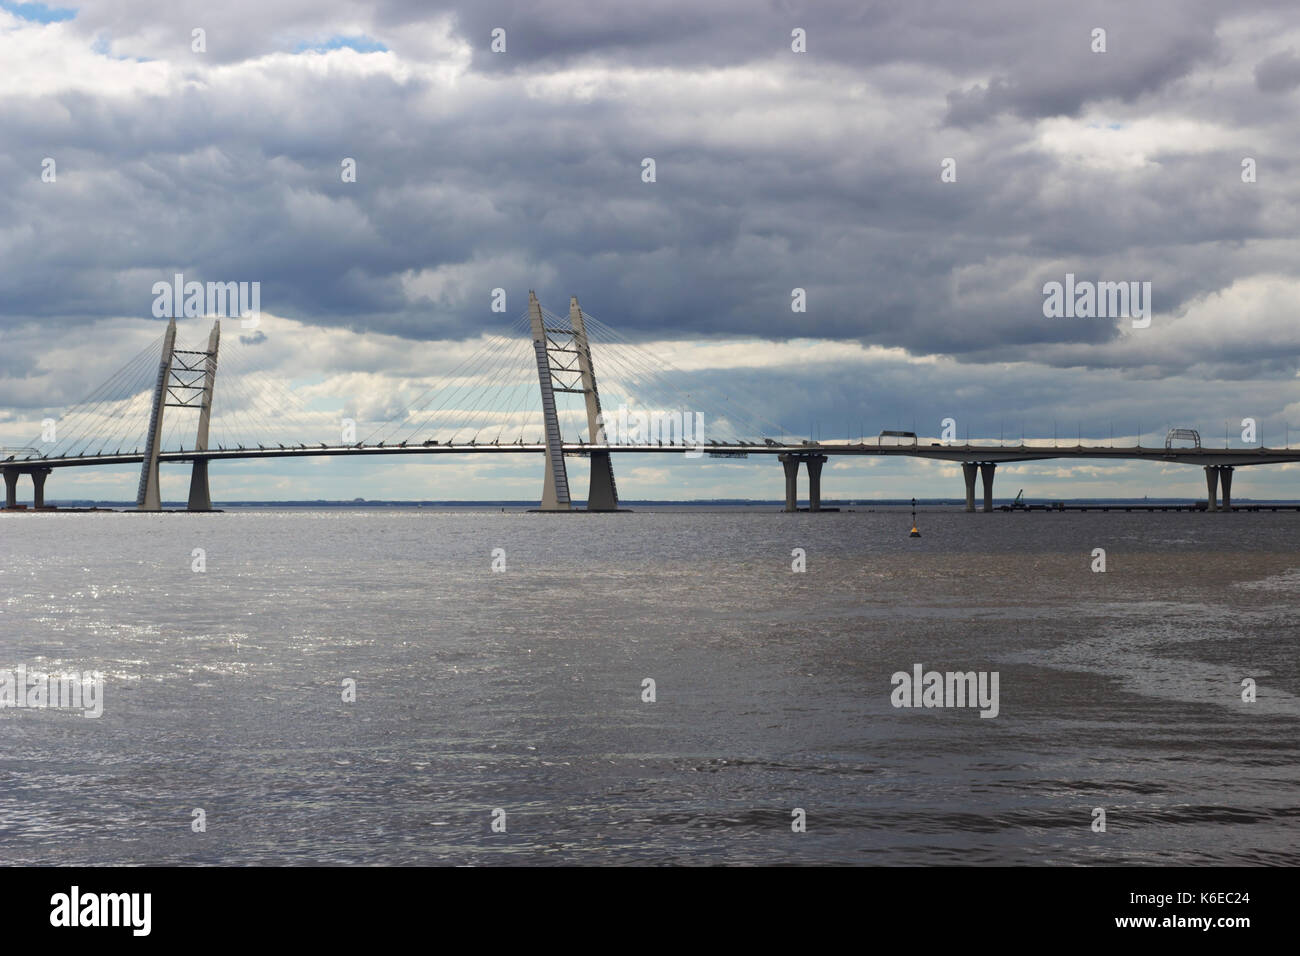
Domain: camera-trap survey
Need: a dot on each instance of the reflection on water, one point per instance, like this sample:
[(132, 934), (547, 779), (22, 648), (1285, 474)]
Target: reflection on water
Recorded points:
[(522, 690)]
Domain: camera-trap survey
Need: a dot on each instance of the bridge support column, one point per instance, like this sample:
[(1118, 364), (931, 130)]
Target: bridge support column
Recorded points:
[(1225, 475), (986, 475), (968, 469), (11, 487), (38, 486), (815, 463), (791, 465), (601, 493), (200, 495), (1212, 486)]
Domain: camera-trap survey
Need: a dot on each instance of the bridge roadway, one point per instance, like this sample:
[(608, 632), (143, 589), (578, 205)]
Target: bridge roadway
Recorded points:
[(996, 454), (1218, 462)]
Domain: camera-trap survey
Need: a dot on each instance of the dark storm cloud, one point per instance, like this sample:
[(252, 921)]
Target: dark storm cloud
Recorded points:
[(1279, 73), (1057, 72), (775, 170)]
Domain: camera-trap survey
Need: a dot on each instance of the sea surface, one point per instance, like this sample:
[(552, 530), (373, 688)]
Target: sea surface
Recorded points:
[(517, 695)]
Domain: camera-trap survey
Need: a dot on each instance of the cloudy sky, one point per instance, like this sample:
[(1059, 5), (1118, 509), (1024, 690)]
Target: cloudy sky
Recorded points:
[(774, 169)]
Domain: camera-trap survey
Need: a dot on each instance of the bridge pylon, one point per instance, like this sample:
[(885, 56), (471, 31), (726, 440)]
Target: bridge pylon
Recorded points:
[(200, 497), (185, 380), (602, 493), (564, 365), (148, 497), (555, 488)]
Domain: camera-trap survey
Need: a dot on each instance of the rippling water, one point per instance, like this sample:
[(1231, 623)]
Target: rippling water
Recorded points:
[(522, 690)]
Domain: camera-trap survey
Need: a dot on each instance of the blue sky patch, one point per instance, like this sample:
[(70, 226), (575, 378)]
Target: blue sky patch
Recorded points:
[(37, 12), (361, 44)]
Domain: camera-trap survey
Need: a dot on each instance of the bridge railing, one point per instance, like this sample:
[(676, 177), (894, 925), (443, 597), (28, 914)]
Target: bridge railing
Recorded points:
[(18, 453)]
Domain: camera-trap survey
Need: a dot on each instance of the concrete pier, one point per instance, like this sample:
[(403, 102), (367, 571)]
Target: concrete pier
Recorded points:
[(11, 487), (38, 486), (791, 461), (968, 469), (986, 475), (200, 496), (815, 463), (38, 474), (791, 465), (1213, 475)]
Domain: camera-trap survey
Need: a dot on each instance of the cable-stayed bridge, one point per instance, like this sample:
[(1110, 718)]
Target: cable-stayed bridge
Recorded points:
[(530, 390)]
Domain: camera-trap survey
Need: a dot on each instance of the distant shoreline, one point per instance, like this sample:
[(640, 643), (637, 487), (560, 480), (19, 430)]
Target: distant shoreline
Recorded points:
[(359, 504)]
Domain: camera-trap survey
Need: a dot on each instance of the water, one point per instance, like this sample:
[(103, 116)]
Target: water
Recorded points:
[(522, 690)]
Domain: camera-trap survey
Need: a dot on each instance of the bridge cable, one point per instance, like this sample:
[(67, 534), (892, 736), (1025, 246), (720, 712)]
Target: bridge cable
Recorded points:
[(464, 378), (420, 404), (122, 392)]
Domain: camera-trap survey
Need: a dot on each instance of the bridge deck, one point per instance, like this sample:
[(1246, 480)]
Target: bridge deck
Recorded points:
[(956, 453)]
